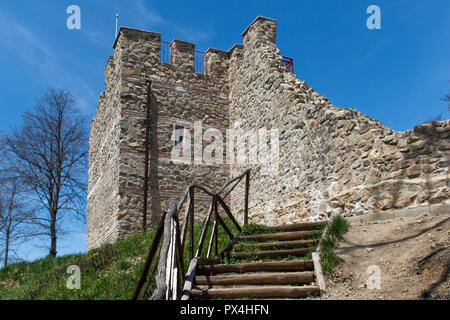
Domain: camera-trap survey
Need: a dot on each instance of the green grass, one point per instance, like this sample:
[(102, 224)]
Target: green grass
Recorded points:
[(339, 226), (246, 246), (233, 259), (252, 229), (329, 258), (434, 247), (110, 272), (241, 247)]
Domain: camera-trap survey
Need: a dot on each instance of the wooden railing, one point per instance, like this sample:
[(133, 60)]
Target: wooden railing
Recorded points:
[(170, 268)]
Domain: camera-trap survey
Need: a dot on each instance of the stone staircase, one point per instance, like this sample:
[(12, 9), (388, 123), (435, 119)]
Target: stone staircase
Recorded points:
[(273, 262)]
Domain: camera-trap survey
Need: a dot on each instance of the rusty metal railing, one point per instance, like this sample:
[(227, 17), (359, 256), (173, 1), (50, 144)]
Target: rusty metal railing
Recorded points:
[(289, 63), (199, 57), (165, 52)]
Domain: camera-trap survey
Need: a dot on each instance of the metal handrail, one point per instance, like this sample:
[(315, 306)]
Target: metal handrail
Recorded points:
[(199, 57), (289, 63), (165, 52)]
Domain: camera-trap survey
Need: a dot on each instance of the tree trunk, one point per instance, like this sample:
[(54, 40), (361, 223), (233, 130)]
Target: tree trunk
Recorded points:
[(9, 225), (53, 238), (6, 248)]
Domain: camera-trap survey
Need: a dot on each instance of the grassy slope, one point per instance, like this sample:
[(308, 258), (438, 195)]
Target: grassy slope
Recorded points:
[(109, 272)]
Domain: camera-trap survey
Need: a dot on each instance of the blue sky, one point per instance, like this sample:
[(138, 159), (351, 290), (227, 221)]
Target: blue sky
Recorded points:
[(396, 75)]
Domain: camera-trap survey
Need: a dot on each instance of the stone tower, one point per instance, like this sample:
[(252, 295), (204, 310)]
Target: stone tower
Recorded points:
[(328, 159)]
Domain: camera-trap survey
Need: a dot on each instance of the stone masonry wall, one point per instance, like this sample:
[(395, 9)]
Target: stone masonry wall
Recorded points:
[(180, 97), (330, 159), (102, 204)]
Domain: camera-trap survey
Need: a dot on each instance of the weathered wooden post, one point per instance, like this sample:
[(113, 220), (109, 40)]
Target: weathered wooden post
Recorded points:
[(161, 285), (191, 221), (247, 187), (216, 230), (152, 252), (205, 228)]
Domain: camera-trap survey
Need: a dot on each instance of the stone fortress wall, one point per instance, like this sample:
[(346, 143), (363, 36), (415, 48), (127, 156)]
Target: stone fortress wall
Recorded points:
[(180, 97), (330, 159)]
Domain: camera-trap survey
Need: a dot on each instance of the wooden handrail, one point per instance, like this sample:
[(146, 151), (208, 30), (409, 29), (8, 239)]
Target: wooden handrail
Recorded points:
[(152, 251), (232, 180), (170, 262), (247, 190), (189, 280), (161, 285), (208, 217), (191, 220), (228, 212), (211, 240)]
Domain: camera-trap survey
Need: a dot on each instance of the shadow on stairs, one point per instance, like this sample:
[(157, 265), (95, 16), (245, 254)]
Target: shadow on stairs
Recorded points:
[(266, 262)]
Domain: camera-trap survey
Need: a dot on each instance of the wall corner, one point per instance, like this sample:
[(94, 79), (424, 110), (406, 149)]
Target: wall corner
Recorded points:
[(262, 28)]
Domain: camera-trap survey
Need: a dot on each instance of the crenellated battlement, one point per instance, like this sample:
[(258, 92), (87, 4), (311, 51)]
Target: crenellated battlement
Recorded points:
[(139, 52), (179, 54)]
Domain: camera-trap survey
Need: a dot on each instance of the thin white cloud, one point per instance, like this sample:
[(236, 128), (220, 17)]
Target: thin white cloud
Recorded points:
[(24, 43), (146, 18), (99, 38), (192, 35), (22, 40)]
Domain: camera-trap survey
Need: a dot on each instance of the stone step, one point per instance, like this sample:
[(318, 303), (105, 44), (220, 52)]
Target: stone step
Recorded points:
[(279, 244), (282, 236), (260, 278), (293, 265), (273, 254), (256, 292)]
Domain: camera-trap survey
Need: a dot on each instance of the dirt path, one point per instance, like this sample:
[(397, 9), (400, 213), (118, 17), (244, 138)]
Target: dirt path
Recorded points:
[(393, 248)]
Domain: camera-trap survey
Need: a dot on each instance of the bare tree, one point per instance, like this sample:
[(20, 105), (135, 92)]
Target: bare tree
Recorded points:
[(15, 218), (446, 98), (435, 118), (2, 213), (50, 151), (15, 212)]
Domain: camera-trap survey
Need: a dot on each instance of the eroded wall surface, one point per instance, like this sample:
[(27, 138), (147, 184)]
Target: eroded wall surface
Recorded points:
[(330, 159)]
